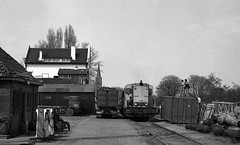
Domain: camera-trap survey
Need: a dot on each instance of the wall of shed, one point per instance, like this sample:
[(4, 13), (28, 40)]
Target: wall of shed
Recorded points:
[(4, 105), (87, 100), (18, 103)]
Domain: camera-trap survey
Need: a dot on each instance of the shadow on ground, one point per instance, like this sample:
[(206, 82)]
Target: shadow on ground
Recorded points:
[(57, 137)]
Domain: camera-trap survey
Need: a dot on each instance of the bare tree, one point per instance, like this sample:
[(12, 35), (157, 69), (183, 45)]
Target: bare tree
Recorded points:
[(215, 81), (92, 61), (59, 38), (201, 85), (85, 44), (70, 39), (51, 38), (169, 86), (54, 40), (41, 44), (235, 85)]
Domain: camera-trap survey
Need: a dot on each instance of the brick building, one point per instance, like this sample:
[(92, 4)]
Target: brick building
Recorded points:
[(64, 73), (46, 63), (77, 76), (18, 96)]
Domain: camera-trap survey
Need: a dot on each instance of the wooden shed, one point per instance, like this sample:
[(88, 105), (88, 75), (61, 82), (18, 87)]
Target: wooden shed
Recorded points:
[(58, 95), (18, 96)]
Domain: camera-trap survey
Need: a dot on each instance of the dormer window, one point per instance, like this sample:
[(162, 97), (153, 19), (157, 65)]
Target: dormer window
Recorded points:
[(56, 60), (65, 76)]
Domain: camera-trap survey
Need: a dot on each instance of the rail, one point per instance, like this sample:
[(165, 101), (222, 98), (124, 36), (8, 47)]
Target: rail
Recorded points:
[(166, 136)]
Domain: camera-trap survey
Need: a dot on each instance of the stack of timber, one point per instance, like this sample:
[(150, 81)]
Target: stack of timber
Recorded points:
[(220, 123)]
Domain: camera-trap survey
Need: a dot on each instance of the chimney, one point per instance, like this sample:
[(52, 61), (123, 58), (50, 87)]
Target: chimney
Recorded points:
[(73, 52), (40, 56)]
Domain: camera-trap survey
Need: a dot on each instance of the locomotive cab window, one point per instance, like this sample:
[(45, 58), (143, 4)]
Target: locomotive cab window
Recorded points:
[(128, 91), (150, 91)]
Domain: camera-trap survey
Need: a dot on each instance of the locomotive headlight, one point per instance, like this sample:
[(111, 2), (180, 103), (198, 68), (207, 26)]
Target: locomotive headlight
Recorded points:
[(146, 104), (135, 104)]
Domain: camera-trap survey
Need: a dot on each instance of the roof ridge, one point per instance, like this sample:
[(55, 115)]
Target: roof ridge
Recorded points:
[(56, 53)]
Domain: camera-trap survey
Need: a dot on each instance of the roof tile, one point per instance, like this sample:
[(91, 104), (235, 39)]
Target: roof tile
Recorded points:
[(10, 68), (72, 72), (55, 53)]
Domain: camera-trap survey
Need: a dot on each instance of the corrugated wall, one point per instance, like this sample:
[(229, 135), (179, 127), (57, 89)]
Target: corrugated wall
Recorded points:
[(87, 100), (179, 109)]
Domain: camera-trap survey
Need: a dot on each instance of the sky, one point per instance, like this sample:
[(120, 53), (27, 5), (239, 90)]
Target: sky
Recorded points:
[(136, 39)]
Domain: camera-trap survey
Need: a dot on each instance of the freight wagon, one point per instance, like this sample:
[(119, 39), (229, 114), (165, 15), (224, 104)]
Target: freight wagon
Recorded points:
[(138, 101), (72, 108), (107, 102), (180, 109)]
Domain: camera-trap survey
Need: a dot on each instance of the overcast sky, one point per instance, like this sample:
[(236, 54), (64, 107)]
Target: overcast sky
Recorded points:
[(136, 39)]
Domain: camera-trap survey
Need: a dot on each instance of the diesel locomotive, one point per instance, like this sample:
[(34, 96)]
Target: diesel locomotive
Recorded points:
[(138, 101)]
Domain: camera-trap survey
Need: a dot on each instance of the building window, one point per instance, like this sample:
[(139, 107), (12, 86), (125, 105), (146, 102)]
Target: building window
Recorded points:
[(18, 101), (14, 101), (28, 101), (45, 75), (80, 80), (48, 97), (66, 60), (65, 76), (56, 60), (38, 76), (36, 100)]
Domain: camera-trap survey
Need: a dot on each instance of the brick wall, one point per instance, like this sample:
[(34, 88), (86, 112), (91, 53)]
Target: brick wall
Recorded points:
[(4, 108), (18, 100)]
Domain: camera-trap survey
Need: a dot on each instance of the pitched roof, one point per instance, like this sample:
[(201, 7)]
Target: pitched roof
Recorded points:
[(73, 88), (56, 53), (10, 69), (72, 72)]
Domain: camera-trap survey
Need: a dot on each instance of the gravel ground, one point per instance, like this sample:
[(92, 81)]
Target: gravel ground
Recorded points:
[(208, 139), (119, 127)]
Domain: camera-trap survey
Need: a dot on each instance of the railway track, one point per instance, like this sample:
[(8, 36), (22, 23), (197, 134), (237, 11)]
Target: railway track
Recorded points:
[(160, 135)]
